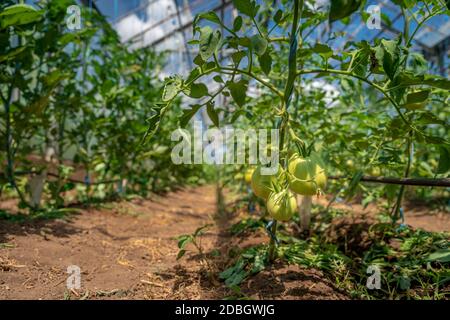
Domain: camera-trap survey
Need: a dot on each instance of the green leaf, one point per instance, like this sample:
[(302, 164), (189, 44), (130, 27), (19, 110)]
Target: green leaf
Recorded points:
[(265, 61), (245, 42), (188, 114), (278, 15), (409, 79), (12, 53), (416, 100), (172, 88), (435, 140), (180, 254), (427, 117), (209, 42), (418, 63), (197, 90), (385, 18), (17, 15), (212, 114), (218, 79), (259, 44), (324, 50), (340, 9), (238, 91), (183, 241), (238, 56), (442, 255), (153, 121), (54, 77), (236, 115), (388, 54), (39, 104), (194, 74), (200, 230), (404, 283), (237, 24), (198, 60), (193, 42), (247, 7), (360, 61), (210, 16), (444, 160)]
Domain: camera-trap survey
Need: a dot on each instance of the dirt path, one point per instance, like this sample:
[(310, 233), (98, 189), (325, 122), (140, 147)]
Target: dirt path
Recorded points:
[(128, 251)]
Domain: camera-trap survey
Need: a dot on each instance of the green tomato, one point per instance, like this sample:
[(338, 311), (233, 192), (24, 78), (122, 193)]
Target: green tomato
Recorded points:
[(262, 185), (309, 175), (321, 175), (350, 164), (375, 171), (282, 205)]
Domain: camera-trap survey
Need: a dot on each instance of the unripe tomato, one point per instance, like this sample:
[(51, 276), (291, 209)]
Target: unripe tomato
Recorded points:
[(321, 178), (248, 175), (309, 175), (321, 175), (375, 171), (282, 205), (350, 164), (262, 184)]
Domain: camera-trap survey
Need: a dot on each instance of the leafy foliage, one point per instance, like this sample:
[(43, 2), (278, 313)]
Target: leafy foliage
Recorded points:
[(86, 96)]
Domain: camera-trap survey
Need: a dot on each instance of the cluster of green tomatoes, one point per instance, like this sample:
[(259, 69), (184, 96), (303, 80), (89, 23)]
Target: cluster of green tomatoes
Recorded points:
[(304, 176)]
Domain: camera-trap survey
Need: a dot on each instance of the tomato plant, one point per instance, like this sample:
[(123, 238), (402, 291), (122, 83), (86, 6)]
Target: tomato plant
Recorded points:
[(389, 110), (77, 99)]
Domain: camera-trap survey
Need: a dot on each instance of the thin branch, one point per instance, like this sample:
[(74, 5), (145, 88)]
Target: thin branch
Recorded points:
[(257, 28), (265, 83)]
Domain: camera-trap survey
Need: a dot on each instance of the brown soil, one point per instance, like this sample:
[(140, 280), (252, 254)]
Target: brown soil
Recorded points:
[(127, 250), (351, 231), (291, 282), (416, 215)]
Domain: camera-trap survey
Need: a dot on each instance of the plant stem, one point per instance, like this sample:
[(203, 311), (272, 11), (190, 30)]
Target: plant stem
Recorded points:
[(9, 138), (398, 204), (272, 242), (257, 27), (263, 82), (298, 4)]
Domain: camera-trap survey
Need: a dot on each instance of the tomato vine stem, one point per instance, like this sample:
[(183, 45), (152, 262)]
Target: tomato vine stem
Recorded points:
[(288, 90)]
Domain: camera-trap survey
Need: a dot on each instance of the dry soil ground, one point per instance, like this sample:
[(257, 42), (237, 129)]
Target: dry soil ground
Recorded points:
[(127, 250)]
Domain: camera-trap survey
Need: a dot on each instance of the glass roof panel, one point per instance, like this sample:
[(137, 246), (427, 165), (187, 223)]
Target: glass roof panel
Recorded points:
[(166, 25)]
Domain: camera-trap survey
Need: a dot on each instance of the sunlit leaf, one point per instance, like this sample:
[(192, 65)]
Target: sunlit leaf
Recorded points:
[(172, 88), (17, 15), (209, 42), (247, 7)]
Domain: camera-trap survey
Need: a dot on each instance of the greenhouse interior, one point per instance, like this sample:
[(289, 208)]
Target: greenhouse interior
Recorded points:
[(224, 150)]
